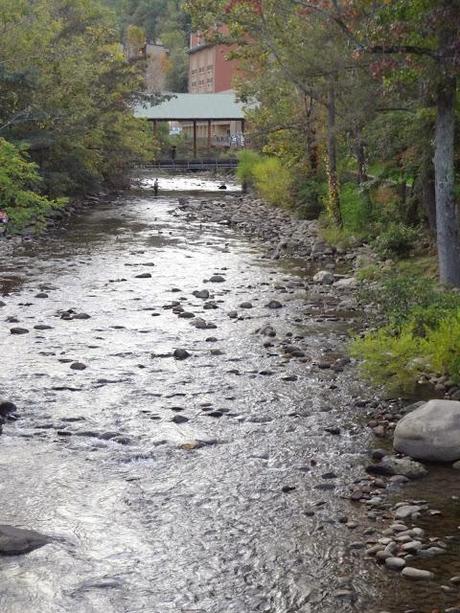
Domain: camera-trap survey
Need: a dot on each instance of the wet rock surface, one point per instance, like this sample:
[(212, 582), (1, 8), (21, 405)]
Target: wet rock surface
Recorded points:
[(221, 477), (17, 541)]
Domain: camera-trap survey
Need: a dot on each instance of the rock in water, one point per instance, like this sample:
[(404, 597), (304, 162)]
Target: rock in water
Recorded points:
[(15, 541), (416, 574), (274, 304), (181, 354), (390, 465), (18, 331), (431, 432), (7, 408)]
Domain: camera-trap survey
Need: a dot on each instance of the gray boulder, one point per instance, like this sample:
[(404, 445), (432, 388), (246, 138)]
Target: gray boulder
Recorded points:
[(431, 432), (15, 541)]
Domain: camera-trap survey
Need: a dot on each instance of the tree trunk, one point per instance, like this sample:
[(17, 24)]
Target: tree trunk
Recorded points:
[(310, 134), (332, 179), (424, 192), (360, 157), (447, 214)]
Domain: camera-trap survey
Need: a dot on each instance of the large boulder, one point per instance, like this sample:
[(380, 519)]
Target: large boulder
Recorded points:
[(431, 432)]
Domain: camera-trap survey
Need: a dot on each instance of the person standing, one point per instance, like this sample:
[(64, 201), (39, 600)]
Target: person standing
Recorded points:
[(155, 188)]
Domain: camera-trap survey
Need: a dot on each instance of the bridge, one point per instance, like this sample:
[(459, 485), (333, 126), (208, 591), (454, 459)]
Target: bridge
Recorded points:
[(182, 166), (201, 116)]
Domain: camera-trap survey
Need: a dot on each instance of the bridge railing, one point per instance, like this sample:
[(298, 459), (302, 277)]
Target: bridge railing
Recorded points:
[(201, 164)]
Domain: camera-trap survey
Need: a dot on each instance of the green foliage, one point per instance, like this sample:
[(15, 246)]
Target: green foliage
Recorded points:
[(397, 240), (247, 159), (445, 346), (421, 333), (67, 92), (309, 194), (355, 209), (19, 183), (396, 360), (390, 360), (398, 297), (273, 181)]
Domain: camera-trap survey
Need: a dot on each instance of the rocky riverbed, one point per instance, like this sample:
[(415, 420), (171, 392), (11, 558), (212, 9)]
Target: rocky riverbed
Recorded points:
[(192, 435)]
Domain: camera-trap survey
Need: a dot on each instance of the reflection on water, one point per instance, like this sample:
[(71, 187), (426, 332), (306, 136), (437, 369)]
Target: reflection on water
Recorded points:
[(188, 183)]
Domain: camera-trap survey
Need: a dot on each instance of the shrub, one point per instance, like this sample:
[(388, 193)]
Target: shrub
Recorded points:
[(273, 181), (421, 333), (397, 240), (397, 359), (355, 207), (308, 198), (19, 182), (390, 359), (247, 159), (401, 298), (444, 346)]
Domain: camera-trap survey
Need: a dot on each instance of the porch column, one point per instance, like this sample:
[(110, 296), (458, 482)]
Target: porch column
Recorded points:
[(209, 136), (194, 139)]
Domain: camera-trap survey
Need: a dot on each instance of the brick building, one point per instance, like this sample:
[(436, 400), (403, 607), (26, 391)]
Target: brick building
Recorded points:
[(209, 70)]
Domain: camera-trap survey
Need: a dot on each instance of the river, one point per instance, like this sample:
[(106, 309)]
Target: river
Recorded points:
[(210, 484)]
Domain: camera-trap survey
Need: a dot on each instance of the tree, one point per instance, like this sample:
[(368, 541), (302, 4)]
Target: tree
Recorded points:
[(70, 92), (399, 43)]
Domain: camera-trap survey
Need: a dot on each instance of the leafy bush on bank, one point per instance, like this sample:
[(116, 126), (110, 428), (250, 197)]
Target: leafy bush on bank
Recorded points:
[(19, 185), (271, 179), (420, 334)]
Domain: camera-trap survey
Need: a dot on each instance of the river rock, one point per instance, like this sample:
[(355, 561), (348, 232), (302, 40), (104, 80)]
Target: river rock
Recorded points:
[(324, 277), (78, 366), (7, 408), (203, 294), (144, 275), (18, 331), (16, 541), (181, 354), (390, 465), (395, 563), (217, 279), (346, 283), (430, 432), (416, 574), (274, 304), (407, 510)]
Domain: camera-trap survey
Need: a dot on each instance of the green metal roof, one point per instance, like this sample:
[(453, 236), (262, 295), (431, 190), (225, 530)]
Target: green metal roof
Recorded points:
[(189, 107)]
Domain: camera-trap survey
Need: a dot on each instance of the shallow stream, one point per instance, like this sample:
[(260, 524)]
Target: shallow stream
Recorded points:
[(227, 511)]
